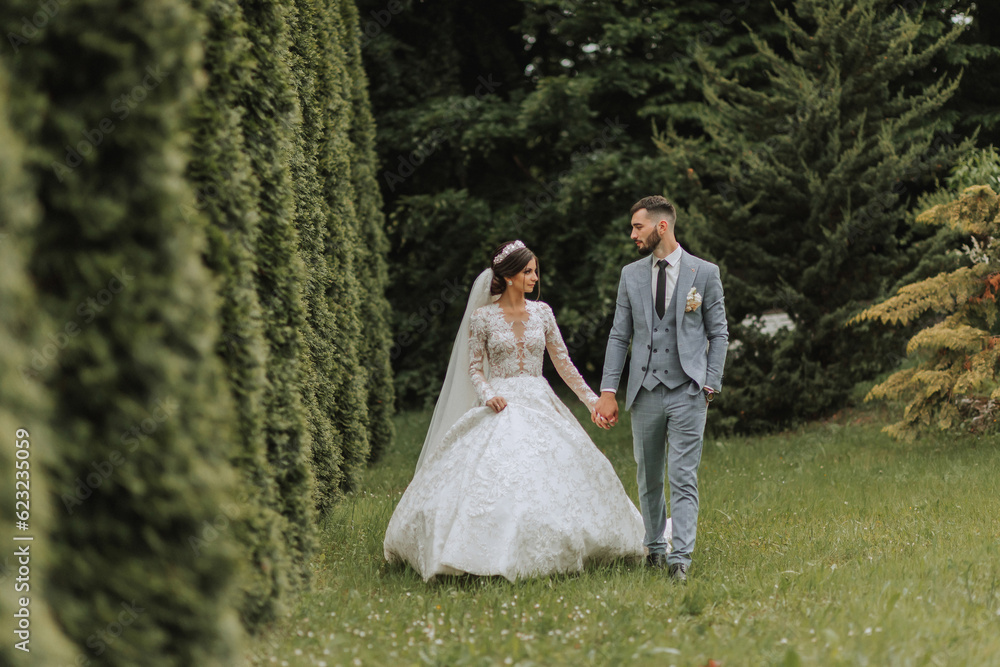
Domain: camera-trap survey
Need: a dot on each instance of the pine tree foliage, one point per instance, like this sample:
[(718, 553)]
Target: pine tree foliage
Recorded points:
[(23, 405), (372, 245), (958, 357), (802, 190), (142, 424), (271, 111), (538, 128), (227, 191)]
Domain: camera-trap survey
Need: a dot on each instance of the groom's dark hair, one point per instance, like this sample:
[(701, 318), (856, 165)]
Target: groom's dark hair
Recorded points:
[(656, 205)]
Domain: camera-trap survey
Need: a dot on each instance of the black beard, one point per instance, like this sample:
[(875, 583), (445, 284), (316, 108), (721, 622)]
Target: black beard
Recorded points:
[(649, 245)]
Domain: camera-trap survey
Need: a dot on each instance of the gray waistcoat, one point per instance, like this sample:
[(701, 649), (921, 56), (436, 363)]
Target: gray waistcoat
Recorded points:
[(664, 364)]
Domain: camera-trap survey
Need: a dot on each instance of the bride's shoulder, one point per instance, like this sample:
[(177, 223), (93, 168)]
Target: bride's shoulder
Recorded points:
[(481, 313), (482, 310), (541, 307)]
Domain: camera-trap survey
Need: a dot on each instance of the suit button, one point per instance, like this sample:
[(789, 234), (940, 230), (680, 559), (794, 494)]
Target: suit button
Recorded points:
[(666, 329), (643, 369), (665, 350), (648, 347), (654, 330), (654, 351)]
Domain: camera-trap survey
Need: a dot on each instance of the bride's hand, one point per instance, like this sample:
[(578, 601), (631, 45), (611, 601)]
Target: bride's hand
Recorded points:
[(497, 403)]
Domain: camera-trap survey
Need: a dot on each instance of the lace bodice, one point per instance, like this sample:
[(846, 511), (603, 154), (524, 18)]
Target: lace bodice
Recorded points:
[(515, 348)]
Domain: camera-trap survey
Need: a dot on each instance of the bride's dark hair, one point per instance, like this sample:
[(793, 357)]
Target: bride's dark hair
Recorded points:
[(511, 265)]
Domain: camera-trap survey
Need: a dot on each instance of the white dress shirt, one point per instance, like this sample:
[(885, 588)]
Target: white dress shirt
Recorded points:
[(672, 270)]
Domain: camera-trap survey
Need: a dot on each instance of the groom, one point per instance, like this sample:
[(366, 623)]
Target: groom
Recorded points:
[(671, 309)]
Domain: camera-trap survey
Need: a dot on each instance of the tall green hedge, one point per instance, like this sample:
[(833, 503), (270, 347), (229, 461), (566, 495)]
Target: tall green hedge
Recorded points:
[(373, 245), (144, 566), (344, 294), (184, 335), (226, 194), (268, 123), (23, 405), (308, 73)]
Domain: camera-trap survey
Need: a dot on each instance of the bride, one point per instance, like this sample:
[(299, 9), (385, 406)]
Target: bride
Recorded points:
[(508, 483)]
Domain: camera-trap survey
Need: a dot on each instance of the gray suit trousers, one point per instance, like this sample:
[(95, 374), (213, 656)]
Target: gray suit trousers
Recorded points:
[(667, 428)]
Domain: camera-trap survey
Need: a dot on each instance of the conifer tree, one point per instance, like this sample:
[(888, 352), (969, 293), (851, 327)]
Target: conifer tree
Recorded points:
[(268, 122), (957, 374), (801, 192), (308, 70), (349, 381), (227, 192), (23, 415), (141, 477), (373, 247)]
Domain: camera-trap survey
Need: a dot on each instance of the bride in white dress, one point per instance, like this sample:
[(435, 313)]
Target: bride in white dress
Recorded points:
[(508, 483)]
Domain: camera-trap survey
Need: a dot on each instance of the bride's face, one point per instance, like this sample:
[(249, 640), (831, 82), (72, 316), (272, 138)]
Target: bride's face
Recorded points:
[(527, 278)]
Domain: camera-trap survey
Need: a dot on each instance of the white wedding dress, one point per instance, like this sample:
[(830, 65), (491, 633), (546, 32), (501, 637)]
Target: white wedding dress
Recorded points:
[(518, 493)]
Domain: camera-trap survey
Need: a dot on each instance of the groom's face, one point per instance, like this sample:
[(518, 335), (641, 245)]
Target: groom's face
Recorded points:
[(645, 233)]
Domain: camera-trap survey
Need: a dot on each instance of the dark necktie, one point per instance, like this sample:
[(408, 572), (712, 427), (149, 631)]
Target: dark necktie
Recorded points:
[(661, 288)]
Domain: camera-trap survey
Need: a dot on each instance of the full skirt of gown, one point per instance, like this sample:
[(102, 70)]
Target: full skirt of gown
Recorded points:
[(519, 493)]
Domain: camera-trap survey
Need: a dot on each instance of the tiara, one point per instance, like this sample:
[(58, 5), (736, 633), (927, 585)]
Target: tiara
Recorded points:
[(516, 245)]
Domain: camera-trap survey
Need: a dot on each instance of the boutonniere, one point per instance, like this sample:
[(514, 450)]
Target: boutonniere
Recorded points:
[(693, 301)]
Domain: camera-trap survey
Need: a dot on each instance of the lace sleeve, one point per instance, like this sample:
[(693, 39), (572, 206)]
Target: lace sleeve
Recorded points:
[(564, 365), (478, 332)]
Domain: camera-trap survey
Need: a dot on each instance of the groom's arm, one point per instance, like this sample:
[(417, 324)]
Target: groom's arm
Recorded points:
[(716, 328), (618, 340), (605, 413)]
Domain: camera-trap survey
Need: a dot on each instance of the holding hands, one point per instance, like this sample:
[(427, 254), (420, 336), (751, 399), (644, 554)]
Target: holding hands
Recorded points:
[(605, 412)]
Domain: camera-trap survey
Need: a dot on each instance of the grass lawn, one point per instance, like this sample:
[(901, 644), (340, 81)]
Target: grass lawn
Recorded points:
[(829, 545)]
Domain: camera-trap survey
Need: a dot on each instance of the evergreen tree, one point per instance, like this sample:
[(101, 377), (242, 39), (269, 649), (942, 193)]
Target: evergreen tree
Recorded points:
[(956, 375), (373, 246), (802, 193), (308, 70), (268, 125), (349, 381), (142, 427), (529, 120), (24, 415), (227, 192), (976, 54)]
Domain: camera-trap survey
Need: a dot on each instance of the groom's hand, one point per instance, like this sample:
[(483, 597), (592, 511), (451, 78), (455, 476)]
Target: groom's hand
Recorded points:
[(605, 413)]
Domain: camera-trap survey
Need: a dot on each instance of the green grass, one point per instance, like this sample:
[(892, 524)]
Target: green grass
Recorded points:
[(829, 545)]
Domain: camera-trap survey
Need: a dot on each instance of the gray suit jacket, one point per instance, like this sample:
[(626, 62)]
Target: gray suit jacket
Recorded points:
[(702, 335)]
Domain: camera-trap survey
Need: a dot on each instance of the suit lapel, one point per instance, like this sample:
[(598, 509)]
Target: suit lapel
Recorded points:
[(685, 279), (644, 273)]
